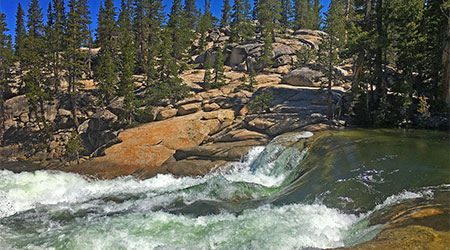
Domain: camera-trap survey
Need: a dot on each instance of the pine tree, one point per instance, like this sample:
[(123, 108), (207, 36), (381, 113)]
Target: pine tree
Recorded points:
[(167, 86), (315, 15), (36, 84), (106, 71), (207, 79), (255, 10), (56, 23), (180, 31), (140, 29), (307, 14), (268, 16), (241, 26), (6, 63), (226, 14), (77, 35), (204, 26), (155, 18), (253, 82), (286, 14), (192, 13), (20, 32), (302, 8), (219, 69), (126, 84), (436, 27), (334, 26)]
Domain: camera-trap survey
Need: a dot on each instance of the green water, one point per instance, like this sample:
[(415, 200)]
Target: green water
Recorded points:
[(281, 196)]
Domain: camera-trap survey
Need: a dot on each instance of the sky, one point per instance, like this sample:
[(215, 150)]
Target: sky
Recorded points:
[(9, 7)]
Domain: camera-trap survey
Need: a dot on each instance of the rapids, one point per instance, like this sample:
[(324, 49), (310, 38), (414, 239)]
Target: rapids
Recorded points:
[(281, 196)]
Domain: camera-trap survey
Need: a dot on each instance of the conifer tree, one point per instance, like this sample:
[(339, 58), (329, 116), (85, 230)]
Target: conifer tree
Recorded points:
[(268, 16), (226, 14), (307, 14), (286, 14), (20, 32), (126, 84), (180, 31), (302, 10), (106, 71), (334, 26), (6, 63), (77, 35), (219, 69), (192, 13), (204, 26), (140, 29), (56, 23), (315, 15), (36, 85), (436, 27), (207, 79), (255, 10), (241, 26), (155, 17), (168, 85)]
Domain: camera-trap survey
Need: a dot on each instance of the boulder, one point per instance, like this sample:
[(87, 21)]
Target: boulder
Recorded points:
[(189, 108), (147, 147), (166, 114), (211, 107), (303, 77), (192, 167), (282, 60), (280, 49), (98, 130), (221, 115), (102, 120), (240, 52), (192, 99), (16, 106), (228, 151), (241, 135), (116, 106), (237, 57), (260, 123)]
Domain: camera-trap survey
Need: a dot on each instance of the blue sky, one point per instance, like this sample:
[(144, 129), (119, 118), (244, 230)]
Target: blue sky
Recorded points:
[(9, 7)]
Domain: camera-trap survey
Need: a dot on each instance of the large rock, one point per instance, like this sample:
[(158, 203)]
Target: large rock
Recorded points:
[(16, 106), (293, 108), (98, 130), (282, 60), (242, 135), (221, 115), (280, 49), (166, 113), (228, 151), (117, 106), (240, 52), (189, 108), (303, 77), (147, 147)]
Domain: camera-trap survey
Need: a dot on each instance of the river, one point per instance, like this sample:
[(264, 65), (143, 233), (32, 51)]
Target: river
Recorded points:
[(281, 196)]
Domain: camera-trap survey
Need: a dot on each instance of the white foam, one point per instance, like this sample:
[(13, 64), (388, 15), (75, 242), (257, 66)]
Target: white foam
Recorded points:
[(267, 227)]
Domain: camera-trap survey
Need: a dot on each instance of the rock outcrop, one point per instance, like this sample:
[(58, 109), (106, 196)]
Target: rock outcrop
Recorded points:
[(149, 146)]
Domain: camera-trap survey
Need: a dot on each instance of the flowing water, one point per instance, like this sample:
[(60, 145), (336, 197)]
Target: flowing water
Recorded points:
[(282, 196)]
